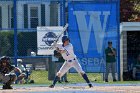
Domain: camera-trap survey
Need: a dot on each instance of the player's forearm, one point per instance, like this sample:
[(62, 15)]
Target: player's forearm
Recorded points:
[(110, 54), (61, 51), (114, 52)]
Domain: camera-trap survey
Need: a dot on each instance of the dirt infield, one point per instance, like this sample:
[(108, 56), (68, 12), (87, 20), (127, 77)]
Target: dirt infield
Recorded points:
[(74, 89)]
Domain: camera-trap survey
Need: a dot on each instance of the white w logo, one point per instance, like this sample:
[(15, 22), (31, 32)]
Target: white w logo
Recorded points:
[(95, 24)]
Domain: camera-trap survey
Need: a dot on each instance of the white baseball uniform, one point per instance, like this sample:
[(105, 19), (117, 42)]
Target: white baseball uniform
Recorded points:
[(70, 60)]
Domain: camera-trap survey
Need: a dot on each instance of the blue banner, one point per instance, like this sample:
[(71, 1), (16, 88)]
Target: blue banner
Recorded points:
[(91, 26)]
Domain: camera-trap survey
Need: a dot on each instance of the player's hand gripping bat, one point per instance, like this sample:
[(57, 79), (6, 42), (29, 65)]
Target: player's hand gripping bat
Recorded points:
[(58, 36)]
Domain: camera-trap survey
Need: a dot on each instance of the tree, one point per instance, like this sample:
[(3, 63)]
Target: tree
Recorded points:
[(129, 10), (5, 46)]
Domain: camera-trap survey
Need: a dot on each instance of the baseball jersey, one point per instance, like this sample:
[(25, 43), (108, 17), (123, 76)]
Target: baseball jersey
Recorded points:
[(109, 58), (69, 53)]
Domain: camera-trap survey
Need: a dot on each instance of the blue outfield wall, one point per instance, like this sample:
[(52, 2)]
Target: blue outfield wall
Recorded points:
[(91, 26)]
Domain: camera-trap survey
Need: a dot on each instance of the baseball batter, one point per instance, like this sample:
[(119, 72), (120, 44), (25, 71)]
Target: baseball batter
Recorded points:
[(66, 50)]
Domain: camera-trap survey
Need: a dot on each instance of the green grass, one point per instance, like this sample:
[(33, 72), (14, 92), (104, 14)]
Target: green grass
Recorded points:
[(41, 77)]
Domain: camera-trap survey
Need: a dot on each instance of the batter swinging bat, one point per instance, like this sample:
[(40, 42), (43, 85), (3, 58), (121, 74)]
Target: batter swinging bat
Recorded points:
[(58, 36)]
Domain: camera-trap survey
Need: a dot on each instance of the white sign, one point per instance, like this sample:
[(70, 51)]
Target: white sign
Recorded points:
[(45, 38)]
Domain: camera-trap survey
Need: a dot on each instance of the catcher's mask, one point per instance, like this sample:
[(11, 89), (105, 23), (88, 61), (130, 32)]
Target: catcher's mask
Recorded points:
[(65, 38), (5, 59)]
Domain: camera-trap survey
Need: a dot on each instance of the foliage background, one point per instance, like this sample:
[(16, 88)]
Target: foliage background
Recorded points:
[(130, 10), (26, 40)]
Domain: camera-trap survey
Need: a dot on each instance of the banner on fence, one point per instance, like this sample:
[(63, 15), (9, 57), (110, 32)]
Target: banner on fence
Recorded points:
[(91, 26), (45, 38)]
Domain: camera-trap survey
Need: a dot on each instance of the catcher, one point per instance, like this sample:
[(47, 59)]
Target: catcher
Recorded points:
[(7, 76)]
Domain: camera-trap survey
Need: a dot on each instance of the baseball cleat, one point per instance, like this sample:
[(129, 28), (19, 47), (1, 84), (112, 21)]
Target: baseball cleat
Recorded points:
[(7, 87), (90, 85), (114, 80), (106, 80), (66, 81), (51, 86)]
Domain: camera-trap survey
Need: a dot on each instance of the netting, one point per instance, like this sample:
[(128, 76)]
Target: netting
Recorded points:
[(19, 20), (18, 30)]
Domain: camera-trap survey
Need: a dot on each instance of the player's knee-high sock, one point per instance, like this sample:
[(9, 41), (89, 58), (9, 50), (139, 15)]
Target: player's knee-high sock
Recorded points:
[(86, 78), (55, 80)]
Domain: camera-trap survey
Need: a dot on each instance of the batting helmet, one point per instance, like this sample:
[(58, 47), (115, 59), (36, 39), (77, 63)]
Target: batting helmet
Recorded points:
[(65, 38)]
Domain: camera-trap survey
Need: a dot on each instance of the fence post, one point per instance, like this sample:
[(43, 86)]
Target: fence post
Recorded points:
[(62, 13), (51, 64), (15, 34), (119, 63), (51, 68)]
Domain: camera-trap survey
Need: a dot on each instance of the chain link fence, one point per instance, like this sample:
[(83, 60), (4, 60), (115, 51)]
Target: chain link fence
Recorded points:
[(18, 30)]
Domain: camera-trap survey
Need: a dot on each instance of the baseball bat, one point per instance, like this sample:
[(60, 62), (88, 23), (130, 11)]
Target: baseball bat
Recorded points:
[(58, 36)]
